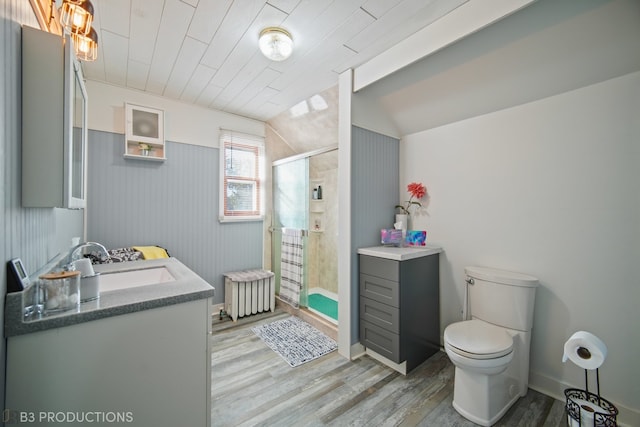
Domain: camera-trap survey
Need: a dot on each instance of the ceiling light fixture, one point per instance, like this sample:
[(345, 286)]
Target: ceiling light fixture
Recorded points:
[(276, 43)]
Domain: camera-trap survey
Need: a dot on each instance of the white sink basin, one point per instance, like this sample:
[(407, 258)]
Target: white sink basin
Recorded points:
[(134, 278)]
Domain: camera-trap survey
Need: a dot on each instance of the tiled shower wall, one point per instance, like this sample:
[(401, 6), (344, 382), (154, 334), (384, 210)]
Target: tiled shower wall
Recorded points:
[(323, 253)]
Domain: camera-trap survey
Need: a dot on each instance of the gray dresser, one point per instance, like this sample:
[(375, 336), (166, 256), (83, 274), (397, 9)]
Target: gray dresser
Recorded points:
[(400, 303)]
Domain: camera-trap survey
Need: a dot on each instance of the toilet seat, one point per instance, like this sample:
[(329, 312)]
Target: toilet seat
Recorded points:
[(476, 339)]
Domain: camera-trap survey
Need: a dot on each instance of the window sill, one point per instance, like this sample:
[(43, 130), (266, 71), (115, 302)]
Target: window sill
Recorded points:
[(225, 219)]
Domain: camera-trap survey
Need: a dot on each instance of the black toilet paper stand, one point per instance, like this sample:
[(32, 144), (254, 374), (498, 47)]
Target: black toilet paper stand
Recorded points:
[(574, 409)]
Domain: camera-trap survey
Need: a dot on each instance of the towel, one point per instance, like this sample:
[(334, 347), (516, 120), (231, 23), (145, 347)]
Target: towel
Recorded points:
[(291, 268), (152, 252)]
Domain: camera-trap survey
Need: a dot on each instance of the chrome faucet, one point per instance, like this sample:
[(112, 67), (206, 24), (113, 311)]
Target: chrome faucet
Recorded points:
[(74, 253)]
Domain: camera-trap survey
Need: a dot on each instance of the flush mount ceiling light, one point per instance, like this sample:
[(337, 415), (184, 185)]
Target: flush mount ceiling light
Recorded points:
[(276, 43), (76, 16)]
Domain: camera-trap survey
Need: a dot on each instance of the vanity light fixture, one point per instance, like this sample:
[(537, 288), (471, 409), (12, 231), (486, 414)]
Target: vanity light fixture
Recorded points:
[(76, 16), (86, 45), (276, 43)]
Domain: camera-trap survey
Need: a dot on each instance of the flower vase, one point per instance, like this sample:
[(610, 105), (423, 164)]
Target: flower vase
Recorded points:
[(404, 218)]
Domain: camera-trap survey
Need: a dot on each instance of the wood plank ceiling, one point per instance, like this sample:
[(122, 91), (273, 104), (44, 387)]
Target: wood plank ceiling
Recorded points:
[(205, 52)]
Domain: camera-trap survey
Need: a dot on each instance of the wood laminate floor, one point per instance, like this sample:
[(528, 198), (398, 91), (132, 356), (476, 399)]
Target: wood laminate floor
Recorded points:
[(253, 386)]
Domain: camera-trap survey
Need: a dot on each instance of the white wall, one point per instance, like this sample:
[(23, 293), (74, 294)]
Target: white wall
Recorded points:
[(367, 114), (548, 188), (184, 123)]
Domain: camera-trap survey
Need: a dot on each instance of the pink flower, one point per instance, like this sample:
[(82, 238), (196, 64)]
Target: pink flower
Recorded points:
[(416, 190)]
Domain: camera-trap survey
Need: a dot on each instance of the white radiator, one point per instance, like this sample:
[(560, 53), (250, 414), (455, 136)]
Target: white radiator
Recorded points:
[(249, 292)]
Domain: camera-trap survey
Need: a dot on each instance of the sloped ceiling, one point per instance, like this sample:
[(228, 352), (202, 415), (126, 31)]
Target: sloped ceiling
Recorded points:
[(547, 48), (205, 52), (310, 124)]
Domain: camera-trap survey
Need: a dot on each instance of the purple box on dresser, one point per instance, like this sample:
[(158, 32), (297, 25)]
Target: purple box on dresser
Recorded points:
[(389, 236)]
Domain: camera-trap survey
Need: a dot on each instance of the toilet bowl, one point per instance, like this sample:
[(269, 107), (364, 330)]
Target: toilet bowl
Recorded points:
[(490, 352)]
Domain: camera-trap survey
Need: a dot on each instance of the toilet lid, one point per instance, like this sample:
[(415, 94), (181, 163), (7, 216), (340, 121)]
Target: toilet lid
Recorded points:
[(478, 339)]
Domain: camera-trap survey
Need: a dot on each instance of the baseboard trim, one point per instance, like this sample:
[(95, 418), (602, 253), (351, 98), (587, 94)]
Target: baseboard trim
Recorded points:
[(399, 367), (357, 350)]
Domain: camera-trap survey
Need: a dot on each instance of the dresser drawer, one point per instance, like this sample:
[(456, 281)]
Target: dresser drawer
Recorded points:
[(383, 315), (381, 290), (380, 340), (380, 267)]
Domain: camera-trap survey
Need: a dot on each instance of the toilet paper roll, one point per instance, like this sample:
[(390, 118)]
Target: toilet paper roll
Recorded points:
[(585, 350), (587, 413), (84, 267)]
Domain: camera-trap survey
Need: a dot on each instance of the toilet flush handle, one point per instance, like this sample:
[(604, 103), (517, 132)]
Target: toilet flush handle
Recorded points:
[(465, 307)]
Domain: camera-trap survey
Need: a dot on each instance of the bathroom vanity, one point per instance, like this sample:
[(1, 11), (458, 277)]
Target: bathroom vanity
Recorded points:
[(400, 304), (139, 354)]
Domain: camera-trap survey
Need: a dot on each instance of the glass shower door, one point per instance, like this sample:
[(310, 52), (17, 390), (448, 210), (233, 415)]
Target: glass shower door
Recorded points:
[(290, 210)]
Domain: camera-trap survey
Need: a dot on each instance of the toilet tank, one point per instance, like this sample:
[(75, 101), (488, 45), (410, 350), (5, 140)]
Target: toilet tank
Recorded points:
[(504, 298)]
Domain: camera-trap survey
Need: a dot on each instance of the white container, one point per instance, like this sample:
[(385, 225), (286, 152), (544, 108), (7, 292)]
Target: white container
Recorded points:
[(90, 286), (84, 267)]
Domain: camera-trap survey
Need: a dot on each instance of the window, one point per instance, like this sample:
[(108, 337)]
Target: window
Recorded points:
[(241, 158)]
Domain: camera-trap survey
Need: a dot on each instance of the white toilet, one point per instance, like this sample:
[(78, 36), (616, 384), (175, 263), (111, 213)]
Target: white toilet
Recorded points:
[(491, 351)]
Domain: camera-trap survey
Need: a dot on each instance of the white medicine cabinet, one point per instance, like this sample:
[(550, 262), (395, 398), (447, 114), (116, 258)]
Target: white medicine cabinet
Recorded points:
[(144, 134), (54, 122)]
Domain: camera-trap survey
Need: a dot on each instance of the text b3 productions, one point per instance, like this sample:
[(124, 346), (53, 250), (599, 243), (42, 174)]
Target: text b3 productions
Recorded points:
[(11, 416)]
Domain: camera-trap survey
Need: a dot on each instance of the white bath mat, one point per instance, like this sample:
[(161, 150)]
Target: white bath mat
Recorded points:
[(295, 340)]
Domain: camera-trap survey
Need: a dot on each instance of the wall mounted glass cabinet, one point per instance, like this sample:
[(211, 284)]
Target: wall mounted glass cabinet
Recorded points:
[(144, 138), (54, 122)]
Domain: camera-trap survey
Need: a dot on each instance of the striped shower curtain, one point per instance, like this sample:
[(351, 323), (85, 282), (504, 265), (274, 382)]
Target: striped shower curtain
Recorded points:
[(291, 266)]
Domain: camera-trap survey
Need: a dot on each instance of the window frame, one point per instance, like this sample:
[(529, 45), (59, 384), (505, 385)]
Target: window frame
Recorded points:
[(231, 140)]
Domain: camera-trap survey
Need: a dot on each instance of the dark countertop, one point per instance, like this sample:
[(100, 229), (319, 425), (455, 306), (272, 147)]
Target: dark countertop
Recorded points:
[(188, 286)]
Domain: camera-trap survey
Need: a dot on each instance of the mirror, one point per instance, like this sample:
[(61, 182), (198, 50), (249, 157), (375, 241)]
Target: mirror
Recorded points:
[(78, 134)]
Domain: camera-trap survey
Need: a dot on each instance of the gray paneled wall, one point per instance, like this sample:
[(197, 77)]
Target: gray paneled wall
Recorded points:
[(31, 234), (375, 192), (173, 204), (25, 232)]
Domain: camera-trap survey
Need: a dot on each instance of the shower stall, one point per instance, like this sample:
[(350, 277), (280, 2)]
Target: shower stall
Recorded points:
[(305, 234)]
